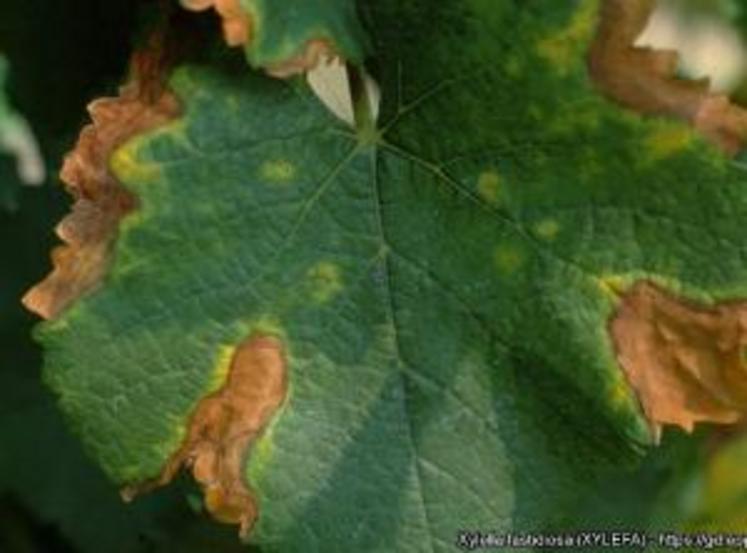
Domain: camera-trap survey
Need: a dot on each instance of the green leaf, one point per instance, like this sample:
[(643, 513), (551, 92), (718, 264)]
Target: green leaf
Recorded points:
[(17, 142), (283, 28), (442, 284), (6, 181)]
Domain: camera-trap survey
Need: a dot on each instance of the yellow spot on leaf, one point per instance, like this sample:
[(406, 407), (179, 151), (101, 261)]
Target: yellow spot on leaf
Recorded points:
[(667, 140), (489, 187), (126, 165), (221, 367), (547, 229), (565, 48), (619, 394), (326, 281), (262, 451), (614, 285), (509, 258), (278, 171)]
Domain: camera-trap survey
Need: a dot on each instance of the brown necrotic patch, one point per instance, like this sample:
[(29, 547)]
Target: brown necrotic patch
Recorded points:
[(685, 361), (239, 30), (237, 25), (89, 231), (645, 80), (223, 427)]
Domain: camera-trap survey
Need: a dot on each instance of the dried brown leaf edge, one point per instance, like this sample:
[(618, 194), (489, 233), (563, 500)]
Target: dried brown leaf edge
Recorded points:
[(90, 230), (685, 361), (238, 30), (644, 79), (224, 424)]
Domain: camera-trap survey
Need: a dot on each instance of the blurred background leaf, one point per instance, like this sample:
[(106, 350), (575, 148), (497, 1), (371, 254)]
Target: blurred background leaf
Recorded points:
[(19, 145), (711, 36)]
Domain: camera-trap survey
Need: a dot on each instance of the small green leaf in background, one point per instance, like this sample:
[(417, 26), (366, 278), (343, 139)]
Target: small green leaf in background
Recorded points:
[(721, 501), (16, 140)]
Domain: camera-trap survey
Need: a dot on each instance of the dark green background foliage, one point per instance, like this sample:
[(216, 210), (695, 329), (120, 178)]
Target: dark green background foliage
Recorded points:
[(53, 497)]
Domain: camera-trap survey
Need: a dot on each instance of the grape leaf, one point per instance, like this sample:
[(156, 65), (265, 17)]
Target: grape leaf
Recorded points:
[(441, 284)]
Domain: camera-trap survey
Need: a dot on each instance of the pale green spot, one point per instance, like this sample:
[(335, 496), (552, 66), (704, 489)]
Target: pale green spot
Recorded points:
[(489, 187), (582, 117), (547, 229), (233, 103), (509, 258), (564, 49), (667, 140), (277, 171), (590, 166), (128, 163), (535, 112), (612, 286), (326, 281), (221, 367), (262, 451), (513, 66), (615, 285), (127, 166), (619, 395)]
